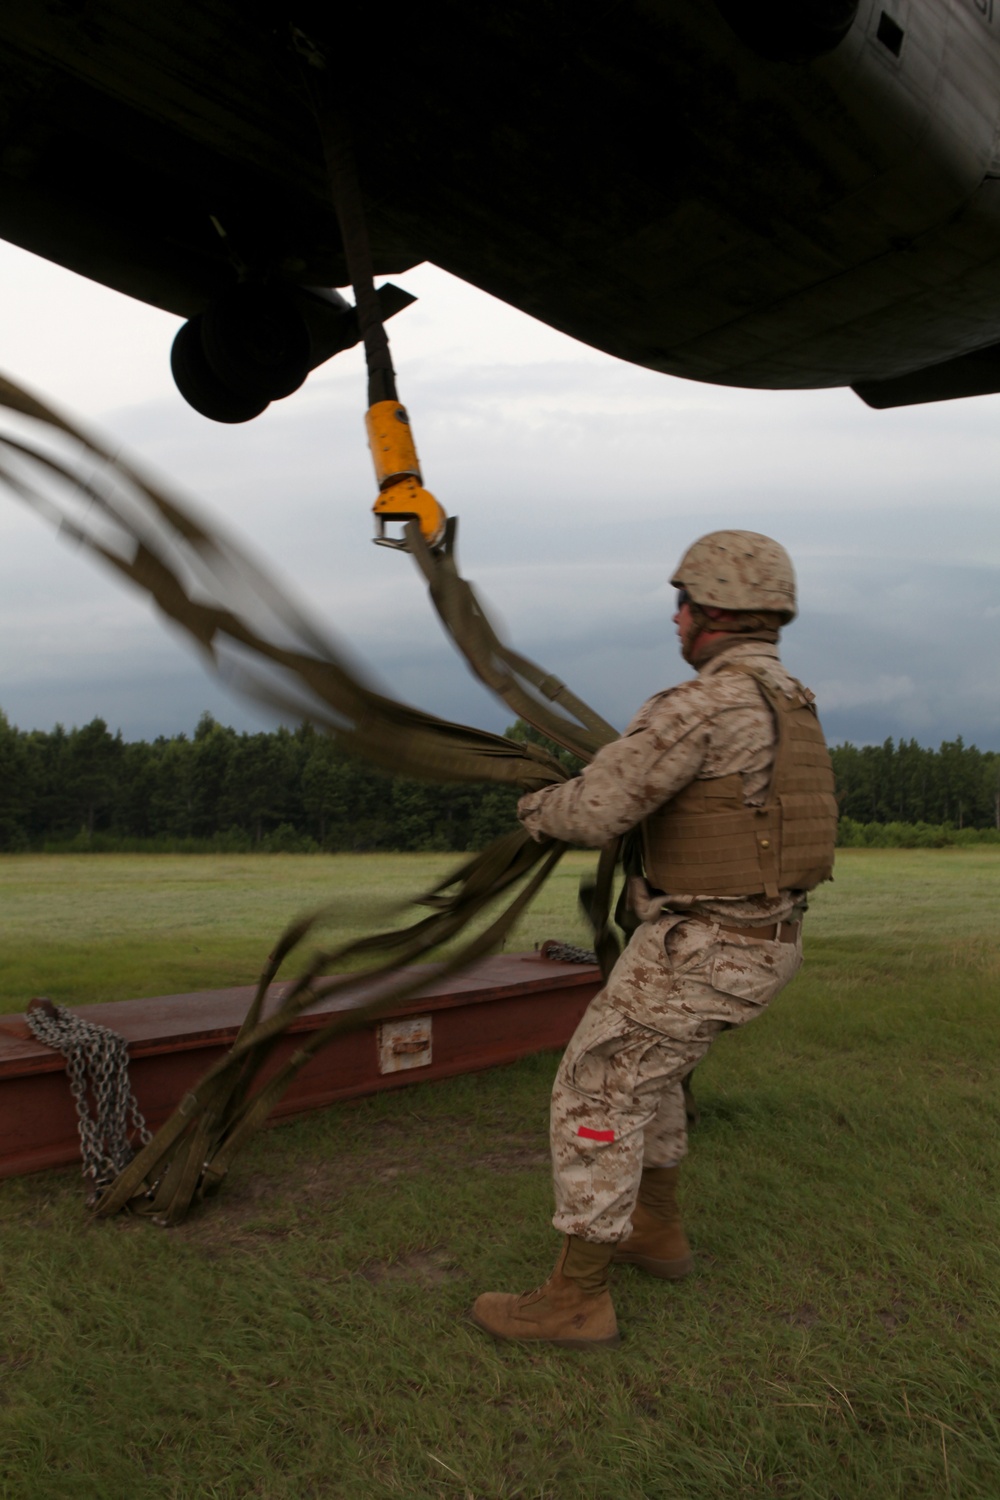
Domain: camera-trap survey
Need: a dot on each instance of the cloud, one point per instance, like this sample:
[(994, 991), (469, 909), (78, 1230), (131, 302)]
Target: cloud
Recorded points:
[(579, 480), (836, 695)]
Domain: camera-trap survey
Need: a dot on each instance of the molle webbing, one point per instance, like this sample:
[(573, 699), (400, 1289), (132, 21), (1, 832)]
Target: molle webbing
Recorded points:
[(706, 841)]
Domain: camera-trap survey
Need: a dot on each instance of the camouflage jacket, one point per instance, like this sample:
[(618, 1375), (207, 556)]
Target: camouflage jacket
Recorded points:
[(714, 725)]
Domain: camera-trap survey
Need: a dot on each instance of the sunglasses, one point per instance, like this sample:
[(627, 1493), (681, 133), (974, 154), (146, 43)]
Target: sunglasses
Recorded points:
[(683, 597)]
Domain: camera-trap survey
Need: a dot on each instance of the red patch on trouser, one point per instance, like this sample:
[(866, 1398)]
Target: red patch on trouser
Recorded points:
[(595, 1135)]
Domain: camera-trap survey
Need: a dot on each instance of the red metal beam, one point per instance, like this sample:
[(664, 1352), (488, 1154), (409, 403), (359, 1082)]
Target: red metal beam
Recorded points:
[(501, 1009)]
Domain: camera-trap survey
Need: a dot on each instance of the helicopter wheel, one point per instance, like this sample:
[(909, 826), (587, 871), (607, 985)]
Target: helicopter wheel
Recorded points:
[(256, 341), (200, 385)]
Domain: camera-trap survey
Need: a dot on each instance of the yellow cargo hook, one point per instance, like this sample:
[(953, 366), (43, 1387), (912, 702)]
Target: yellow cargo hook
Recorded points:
[(402, 496)]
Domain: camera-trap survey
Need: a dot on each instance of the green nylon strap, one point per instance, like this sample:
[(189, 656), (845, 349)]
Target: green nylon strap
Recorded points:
[(226, 604), (338, 153), (192, 1151), (241, 620), (511, 676), (163, 550), (248, 627)]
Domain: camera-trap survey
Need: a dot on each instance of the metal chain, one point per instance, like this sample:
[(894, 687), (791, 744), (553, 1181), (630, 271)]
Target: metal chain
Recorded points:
[(96, 1059), (566, 953)]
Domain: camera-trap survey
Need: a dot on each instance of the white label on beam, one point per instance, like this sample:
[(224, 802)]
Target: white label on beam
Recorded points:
[(404, 1044)]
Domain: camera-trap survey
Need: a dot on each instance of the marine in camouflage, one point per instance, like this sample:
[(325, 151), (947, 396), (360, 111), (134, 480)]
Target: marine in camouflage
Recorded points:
[(617, 1104)]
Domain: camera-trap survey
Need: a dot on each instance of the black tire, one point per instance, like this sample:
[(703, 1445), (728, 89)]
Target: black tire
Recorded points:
[(256, 341), (790, 30), (200, 386)]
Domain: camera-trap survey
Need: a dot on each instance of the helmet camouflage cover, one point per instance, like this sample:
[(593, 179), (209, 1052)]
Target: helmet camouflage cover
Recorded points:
[(738, 570)]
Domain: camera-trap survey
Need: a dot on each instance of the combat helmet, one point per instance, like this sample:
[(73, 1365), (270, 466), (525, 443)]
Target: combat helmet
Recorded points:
[(738, 570)]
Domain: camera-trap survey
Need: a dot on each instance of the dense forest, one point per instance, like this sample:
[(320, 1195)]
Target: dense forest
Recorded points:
[(906, 783), (291, 790), (294, 790)]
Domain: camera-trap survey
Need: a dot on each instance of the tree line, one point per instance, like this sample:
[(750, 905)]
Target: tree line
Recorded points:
[(295, 790), (956, 785), (290, 790)]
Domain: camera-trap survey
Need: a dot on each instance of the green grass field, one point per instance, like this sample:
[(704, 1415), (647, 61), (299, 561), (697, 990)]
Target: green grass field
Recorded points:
[(83, 928), (303, 1336)]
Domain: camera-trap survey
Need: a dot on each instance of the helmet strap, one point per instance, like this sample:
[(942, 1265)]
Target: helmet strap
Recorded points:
[(731, 630)]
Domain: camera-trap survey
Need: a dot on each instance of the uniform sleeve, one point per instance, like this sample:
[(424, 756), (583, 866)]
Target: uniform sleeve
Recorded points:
[(661, 751)]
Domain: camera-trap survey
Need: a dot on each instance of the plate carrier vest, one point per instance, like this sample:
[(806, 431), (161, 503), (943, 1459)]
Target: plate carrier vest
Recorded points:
[(707, 842)]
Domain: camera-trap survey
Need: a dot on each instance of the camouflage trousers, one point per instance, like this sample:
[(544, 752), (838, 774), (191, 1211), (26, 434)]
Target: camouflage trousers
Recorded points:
[(618, 1103)]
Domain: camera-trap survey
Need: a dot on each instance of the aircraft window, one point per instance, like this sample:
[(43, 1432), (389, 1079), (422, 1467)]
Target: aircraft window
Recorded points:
[(889, 34)]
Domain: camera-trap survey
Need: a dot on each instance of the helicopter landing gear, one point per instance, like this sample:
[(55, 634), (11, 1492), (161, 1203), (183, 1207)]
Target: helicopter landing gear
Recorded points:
[(258, 342)]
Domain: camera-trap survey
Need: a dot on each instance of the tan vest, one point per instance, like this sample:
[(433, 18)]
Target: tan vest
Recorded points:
[(707, 842)]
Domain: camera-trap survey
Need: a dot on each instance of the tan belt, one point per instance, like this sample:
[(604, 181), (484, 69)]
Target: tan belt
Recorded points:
[(783, 932)]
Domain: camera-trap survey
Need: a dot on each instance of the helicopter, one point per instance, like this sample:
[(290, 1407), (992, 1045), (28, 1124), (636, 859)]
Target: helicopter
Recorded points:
[(787, 194)]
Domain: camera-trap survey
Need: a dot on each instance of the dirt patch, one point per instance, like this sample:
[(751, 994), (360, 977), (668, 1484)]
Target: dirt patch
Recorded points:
[(235, 1216), (326, 1181), (424, 1267), (803, 1316), (525, 1159), (224, 1221), (893, 1316)]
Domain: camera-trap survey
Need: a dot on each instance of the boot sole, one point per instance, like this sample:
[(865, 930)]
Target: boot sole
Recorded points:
[(611, 1342), (666, 1270)]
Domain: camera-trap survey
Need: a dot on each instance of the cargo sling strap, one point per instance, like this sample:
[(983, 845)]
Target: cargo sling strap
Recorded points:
[(268, 648)]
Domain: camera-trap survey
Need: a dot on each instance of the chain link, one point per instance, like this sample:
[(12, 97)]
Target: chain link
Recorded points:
[(96, 1060), (567, 953)]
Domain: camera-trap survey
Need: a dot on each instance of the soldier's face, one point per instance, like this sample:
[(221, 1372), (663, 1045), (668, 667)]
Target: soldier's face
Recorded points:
[(684, 623)]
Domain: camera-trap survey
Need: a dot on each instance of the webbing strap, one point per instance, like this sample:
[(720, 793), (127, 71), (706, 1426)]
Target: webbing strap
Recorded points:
[(192, 1152), (251, 631), (227, 605), (511, 676), (526, 688), (345, 191), (270, 650)]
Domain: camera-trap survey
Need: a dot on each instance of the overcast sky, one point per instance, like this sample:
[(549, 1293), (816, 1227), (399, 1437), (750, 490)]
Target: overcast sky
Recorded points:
[(579, 481)]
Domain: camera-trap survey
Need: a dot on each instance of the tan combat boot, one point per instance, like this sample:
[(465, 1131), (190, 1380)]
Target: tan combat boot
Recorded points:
[(657, 1243), (573, 1309)]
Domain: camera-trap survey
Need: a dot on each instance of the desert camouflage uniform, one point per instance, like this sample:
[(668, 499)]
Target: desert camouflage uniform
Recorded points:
[(617, 1103)]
